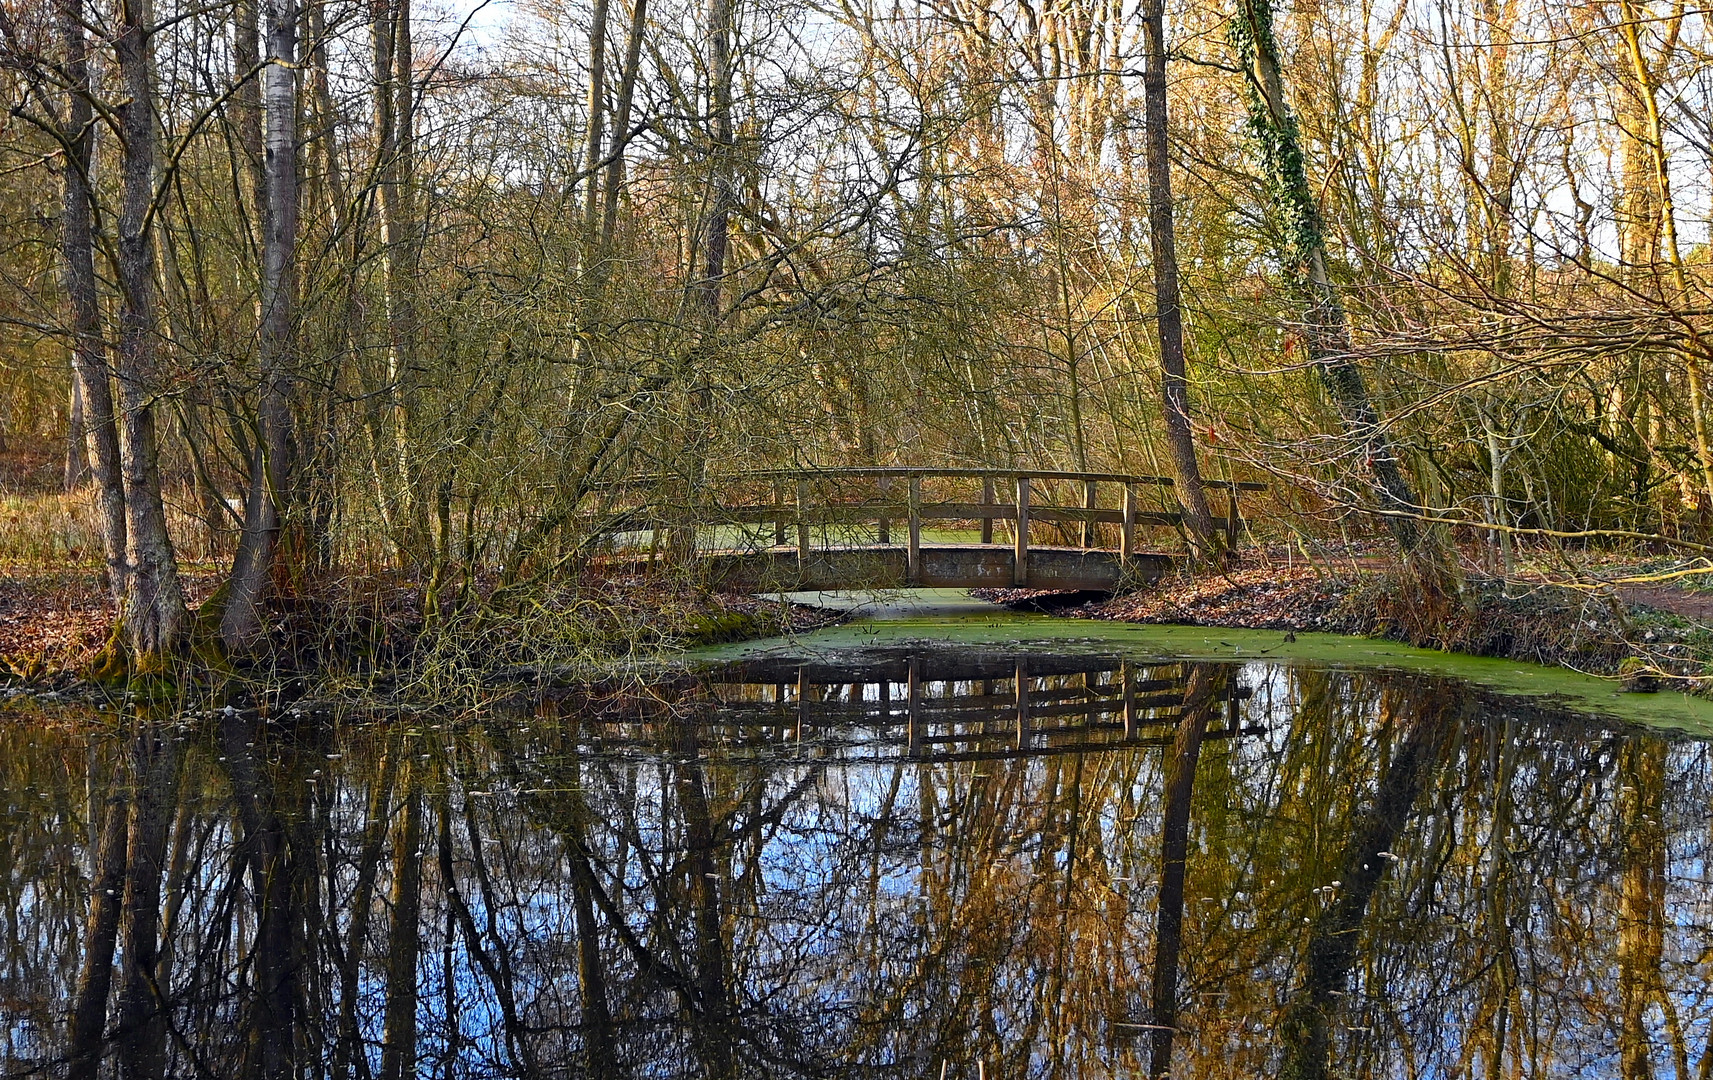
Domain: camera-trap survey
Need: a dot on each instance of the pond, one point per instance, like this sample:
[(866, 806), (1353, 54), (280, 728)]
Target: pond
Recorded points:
[(867, 854)]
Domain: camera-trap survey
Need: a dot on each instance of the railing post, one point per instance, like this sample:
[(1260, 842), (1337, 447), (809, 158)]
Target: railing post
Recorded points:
[(778, 513), (1020, 568), (802, 521), (1088, 504), (1233, 524), (885, 536), (987, 500), (1127, 530), (914, 557), (681, 538)]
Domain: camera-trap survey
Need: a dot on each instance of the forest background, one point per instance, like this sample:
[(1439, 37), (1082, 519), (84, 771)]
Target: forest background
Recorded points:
[(294, 292)]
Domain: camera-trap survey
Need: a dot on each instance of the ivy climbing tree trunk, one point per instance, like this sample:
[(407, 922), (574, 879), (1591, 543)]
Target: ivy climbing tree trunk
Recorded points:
[(1168, 307), (1274, 132)]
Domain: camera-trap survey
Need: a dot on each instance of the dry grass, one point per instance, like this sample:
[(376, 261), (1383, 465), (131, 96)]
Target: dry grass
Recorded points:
[(61, 531), (48, 529)]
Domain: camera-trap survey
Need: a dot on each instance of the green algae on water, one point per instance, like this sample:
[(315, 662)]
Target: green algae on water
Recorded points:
[(951, 617)]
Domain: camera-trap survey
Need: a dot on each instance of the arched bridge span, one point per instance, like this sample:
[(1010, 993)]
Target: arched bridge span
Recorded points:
[(894, 527)]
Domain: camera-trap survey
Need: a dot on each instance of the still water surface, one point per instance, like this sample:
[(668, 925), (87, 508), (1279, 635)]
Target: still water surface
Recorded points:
[(893, 860)]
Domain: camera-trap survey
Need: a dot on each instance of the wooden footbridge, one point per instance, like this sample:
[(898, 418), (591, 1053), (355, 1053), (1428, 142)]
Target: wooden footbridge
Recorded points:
[(836, 528)]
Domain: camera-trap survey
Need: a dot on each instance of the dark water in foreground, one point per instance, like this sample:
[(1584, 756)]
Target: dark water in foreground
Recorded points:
[(886, 867)]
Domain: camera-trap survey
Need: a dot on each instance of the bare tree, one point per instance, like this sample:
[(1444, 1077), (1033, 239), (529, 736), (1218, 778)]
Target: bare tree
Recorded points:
[(77, 245), (155, 618), (271, 460), (1168, 303)]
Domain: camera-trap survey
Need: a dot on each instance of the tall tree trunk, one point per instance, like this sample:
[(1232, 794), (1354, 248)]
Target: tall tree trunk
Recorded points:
[(270, 467), (594, 135), (396, 178), (155, 616), (722, 197), (1174, 857), (1168, 302), (95, 978), (89, 350), (614, 179), (1652, 135), (1273, 126), (315, 478), (247, 108)]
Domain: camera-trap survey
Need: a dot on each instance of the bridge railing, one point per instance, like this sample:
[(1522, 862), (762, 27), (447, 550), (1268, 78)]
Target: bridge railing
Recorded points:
[(796, 502)]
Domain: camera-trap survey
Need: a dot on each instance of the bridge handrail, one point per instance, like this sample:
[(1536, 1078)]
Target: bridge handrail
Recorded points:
[(886, 472)]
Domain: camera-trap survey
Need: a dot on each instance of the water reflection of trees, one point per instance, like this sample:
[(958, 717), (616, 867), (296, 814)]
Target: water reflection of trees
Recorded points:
[(1266, 871)]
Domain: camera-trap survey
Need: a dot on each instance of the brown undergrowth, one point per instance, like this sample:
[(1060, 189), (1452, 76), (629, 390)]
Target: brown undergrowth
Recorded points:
[(361, 634)]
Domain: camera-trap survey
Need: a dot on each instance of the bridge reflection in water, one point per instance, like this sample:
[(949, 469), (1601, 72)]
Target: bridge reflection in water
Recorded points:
[(957, 707)]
